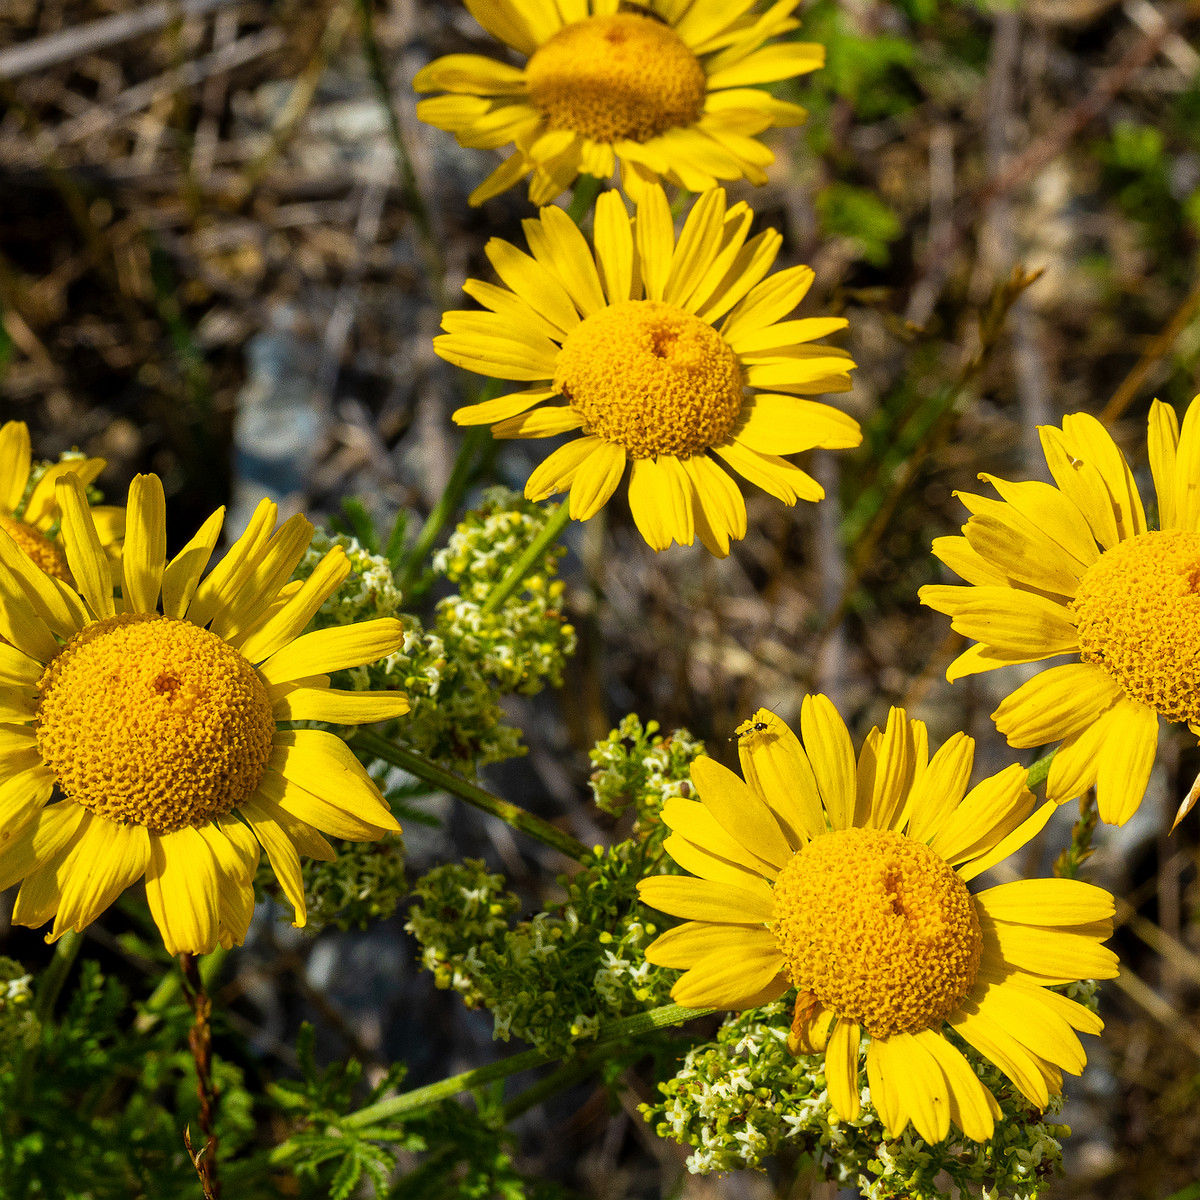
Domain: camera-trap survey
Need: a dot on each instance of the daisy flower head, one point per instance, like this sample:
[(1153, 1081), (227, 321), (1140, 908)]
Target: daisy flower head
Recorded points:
[(30, 517), (847, 880), (657, 348), (141, 735), (665, 88), (1074, 568)]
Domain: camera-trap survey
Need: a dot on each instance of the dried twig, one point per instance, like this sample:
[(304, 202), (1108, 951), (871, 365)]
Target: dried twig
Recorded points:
[(200, 1044), (62, 47)]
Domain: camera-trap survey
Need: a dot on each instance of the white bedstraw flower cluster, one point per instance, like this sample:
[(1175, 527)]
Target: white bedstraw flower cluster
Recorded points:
[(743, 1097), (18, 1024), (527, 641), (455, 672), (635, 765), (554, 979)]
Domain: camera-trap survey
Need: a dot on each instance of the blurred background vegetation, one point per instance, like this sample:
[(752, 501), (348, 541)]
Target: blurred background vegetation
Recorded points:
[(210, 268)]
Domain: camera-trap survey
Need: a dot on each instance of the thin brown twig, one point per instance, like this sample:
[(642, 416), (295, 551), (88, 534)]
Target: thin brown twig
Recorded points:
[(1158, 349), (975, 206), (200, 1044)]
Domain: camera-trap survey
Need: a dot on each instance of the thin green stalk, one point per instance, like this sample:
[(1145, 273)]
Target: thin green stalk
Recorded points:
[(568, 1074), (49, 988), (1071, 860), (434, 1093), (447, 505), (55, 975), (532, 556), (511, 814), (1039, 771), (587, 188)]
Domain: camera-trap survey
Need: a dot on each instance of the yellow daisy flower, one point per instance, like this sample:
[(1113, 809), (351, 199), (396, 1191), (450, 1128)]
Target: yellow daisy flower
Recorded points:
[(665, 88), (1073, 568), (654, 345), (156, 730), (848, 882), (28, 523)]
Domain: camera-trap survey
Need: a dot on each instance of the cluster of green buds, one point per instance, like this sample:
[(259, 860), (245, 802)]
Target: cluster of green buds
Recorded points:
[(19, 1026), (455, 671), (639, 767), (554, 979), (743, 1097)]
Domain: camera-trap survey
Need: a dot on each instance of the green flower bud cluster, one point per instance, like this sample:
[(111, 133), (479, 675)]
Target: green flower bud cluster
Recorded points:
[(455, 672), (527, 641), (18, 1025), (637, 766), (364, 884), (744, 1096), (39, 467), (554, 979)]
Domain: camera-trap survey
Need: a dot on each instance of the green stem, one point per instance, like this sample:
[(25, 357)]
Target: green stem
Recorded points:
[(447, 505), (587, 188), (568, 1074), (1039, 771), (434, 1093), (55, 975), (532, 556), (448, 781)]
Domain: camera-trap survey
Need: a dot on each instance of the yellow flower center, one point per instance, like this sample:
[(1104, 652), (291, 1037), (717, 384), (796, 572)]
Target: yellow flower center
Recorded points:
[(148, 720), (47, 554), (652, 378), (878, 928), (1138, 614), (614, 77)]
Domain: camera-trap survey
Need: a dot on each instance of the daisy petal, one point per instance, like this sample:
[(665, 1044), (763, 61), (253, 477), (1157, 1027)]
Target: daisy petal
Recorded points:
[(776, 767), (740, 811), (1010, 621), (16, 460), (700, 900), (335, 649), (722, 980), (925, 1088), (85, 555), (557, 472), (997, 1045), (323, 764), (972, 1107), (181, 576), (687, 944), (145, 554), (831, 753), (614, 246), (106, 859), (182, 889), (841, 1069), (1056, 703), (1162, 441), (1047, 902), (339, 707), (596, 479), (1126, 760)]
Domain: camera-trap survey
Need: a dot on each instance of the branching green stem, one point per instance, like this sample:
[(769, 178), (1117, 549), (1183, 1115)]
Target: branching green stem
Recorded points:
[(558, 521), (511, 814), (444, 1089)]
